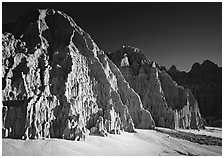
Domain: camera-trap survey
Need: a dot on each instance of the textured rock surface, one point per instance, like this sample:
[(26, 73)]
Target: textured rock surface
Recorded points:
[(205, 82), (58, 83), (171, 105)]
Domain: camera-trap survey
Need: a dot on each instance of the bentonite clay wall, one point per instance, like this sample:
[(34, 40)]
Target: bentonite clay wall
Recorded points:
[(57, 83), (171, 105)]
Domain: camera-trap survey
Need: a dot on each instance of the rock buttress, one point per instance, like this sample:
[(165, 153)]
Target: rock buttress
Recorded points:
[(57, 83), (171, 105)]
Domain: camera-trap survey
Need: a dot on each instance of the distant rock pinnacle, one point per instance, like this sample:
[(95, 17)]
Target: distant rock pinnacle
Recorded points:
[(205, 82)]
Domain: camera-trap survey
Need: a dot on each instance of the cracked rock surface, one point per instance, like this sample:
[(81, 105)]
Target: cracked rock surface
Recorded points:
[(171, 105), (57, 83)]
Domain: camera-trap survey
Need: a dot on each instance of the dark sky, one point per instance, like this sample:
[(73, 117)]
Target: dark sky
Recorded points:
[(169, 33)]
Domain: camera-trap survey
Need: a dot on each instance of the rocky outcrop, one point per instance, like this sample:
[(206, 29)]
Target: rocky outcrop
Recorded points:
[(57, 83), (205, 82), (171, 105)]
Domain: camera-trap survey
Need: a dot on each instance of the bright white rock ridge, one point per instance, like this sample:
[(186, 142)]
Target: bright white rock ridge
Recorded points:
[(57, 83)]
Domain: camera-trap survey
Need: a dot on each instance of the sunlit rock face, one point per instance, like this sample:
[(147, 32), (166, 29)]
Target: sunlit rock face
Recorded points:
[(171, 105), (205, 82), (57, 83)]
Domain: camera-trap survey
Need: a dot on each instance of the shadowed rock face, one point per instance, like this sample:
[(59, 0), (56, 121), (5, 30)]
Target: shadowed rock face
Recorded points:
[(57, 83), (205, 82), (171, 105)]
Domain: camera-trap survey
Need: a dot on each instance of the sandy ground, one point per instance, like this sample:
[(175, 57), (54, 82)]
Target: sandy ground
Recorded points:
[(144, 142), (209, 131)]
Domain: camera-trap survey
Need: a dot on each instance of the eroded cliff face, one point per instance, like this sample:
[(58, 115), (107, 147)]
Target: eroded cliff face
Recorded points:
[(171, 105), (57, 83), (205, 82)]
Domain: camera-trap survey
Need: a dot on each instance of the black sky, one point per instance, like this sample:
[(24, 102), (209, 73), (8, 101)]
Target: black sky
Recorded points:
[(169, 33)]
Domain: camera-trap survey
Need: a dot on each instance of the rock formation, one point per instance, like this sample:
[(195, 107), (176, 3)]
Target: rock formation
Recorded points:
[(205, 82), (57, 83), (171, 105)]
